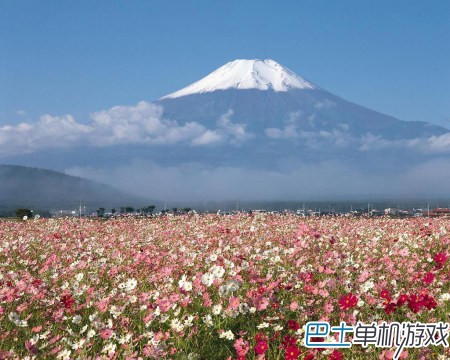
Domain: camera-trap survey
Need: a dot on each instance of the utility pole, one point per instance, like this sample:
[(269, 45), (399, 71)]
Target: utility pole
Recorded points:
[(80, 209)]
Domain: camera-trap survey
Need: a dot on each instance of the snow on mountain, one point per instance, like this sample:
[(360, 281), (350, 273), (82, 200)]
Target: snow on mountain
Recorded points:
[(247, 74)]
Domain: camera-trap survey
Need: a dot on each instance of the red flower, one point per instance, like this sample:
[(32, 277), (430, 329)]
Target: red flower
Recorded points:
[(385, 294), (347, 301), (440, 259), (389, 308), (414, 303), (417, 303), (261, 347), (293, 325), (288, 341), (292, 352), (429, 302), (67, 301), (261, 290), (428, 278), (309, 357), (335, 355), (260, 337), (402, 299), (36, 282)]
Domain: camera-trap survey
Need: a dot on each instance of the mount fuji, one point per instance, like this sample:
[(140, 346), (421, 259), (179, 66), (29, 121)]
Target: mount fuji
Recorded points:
[(269, 99)]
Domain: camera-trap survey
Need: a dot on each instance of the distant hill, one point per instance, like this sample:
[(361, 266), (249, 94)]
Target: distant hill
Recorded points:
[(42, 189)]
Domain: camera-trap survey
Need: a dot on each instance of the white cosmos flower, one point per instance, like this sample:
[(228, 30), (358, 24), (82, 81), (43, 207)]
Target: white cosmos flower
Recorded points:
[(207, 279), (227, 335), (130, 285), (184, 284), (64, 354), (213, 257), (217, 309), (176, 325), (109, 348), (125, 339), (83, 329), (217, 271), (14, 317), (78, 344), (188, 321), (207, 319)]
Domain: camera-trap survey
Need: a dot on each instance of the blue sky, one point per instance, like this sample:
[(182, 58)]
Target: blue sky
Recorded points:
[(76, 57)]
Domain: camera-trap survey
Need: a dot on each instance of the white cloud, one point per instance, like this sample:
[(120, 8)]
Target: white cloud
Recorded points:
[(208, 137), (338, 137), (324, 104), (433, 144), (140, 124), (48, 132), (237, 132), (439, 143)]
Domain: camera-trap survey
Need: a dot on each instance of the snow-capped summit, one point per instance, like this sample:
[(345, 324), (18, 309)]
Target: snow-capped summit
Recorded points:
[(246, 74)]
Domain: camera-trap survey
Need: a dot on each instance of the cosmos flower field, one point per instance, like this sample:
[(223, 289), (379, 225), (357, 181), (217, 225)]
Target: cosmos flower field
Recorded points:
[(215, 287)]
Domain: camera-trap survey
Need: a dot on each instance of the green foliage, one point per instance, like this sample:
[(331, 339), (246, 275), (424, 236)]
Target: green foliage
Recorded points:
[(100, 212), (148, 209), (20, 213)]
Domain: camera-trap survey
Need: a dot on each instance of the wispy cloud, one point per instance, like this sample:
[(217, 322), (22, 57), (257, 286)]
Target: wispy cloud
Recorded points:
[(341, 136), (338, 137), (432, 145)]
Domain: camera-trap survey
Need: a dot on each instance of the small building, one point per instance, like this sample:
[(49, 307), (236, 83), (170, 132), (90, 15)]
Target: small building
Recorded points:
[(391, 211)]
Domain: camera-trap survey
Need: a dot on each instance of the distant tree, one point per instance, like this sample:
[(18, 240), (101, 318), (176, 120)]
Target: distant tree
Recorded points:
[(175, 210), (122, 209), (129, 209), (148, 209), (100, 212), (187, 209), (20, 213), (113, 211)]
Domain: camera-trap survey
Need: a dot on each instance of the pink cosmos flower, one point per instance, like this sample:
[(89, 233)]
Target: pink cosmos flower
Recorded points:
[(233, 303), (261, 303), (106, 334), (241, 346)]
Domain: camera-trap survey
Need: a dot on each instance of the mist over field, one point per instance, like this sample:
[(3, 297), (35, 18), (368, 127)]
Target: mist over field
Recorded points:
[(325, 180)]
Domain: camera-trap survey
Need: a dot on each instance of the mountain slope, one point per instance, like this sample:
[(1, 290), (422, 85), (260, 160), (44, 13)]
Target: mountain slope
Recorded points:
[(264, 95), (22, 186)]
